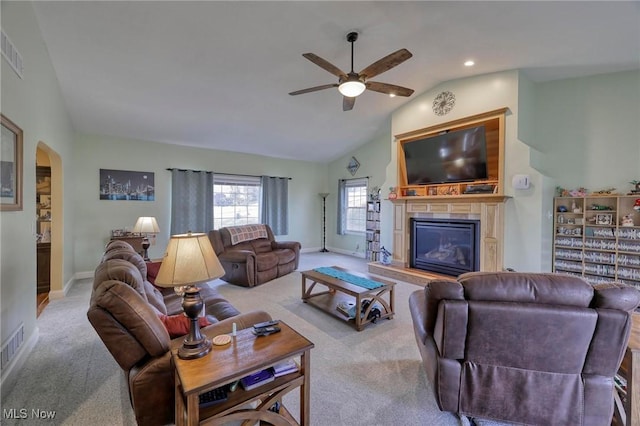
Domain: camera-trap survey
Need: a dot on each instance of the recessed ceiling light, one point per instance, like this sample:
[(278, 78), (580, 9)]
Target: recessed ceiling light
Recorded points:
[(392, 95), (469, 63)]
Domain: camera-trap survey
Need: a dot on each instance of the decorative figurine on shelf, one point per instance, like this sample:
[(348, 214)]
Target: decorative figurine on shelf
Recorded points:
[(627, 220), (636, 206), (579, 192), (608, 191), (392, 193), (636, 183), (385, 256), (575, 208)]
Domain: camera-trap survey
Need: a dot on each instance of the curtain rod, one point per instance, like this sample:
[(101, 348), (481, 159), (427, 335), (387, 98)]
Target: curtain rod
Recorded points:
[(363, 177), (229, 174)]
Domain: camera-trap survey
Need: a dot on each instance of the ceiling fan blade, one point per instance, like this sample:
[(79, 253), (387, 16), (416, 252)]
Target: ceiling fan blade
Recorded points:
[(324, 64), (388, 89), (386, 63), (347, 103), (313, 89)]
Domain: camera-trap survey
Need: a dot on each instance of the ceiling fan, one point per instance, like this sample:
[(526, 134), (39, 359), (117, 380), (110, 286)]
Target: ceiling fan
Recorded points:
[(353, 84)]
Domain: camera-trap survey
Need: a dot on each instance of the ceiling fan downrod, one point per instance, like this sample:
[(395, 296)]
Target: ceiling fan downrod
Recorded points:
[(351, 38)]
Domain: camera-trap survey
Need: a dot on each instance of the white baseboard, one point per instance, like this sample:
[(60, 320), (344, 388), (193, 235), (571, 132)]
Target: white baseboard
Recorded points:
[(10, 374)]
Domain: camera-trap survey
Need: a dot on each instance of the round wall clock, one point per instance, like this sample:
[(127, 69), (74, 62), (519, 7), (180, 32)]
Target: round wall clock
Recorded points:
[(443, 103)]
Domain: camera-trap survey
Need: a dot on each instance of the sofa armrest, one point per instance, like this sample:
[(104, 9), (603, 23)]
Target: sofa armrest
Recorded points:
[(292, 245)]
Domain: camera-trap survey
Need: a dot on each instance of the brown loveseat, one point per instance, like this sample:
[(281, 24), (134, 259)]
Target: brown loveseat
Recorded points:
[(534, 349), (250, 255), (126, 311)]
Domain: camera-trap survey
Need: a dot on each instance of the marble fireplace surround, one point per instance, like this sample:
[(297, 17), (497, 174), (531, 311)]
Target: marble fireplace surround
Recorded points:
[(488, 209)]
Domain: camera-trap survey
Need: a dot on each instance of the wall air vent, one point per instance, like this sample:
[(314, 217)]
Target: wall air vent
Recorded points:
[(11, 54), (10, 347)]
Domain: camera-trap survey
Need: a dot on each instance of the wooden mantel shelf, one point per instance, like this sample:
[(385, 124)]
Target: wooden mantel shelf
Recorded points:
[(466, 198)]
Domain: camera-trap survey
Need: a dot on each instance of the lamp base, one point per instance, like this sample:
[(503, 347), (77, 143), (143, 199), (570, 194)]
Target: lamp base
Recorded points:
[(324, 250), (195, 345), (193, 350), (145, 246)]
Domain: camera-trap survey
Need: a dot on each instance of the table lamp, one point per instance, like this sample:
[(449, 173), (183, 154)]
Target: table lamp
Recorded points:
[(146, 225), (188, 261)]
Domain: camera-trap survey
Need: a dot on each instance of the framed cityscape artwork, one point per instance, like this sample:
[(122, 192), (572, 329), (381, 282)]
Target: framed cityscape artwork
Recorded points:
[(10, 166), (125, 185)]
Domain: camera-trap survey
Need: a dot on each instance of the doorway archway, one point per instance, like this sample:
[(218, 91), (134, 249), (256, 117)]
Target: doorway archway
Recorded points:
[(44, 151)]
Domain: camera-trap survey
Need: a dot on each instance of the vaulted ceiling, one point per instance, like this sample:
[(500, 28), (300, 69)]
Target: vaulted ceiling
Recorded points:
[(217, 74)]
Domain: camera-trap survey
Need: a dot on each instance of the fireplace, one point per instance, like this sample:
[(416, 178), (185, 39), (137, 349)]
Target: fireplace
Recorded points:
[(446, 246)]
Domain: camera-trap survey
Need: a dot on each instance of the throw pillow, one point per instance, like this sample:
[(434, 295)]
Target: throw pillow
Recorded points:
[(152, 271), (178, 325)]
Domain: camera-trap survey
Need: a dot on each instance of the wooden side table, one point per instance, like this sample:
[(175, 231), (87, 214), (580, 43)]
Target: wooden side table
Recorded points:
[(246, 354)]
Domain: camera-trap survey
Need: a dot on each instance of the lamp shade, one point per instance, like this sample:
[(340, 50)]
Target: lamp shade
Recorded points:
[(146, 225), (189, 260)]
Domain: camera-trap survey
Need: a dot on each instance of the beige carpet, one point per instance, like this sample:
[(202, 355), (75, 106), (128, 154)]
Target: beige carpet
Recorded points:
[(373, 377)]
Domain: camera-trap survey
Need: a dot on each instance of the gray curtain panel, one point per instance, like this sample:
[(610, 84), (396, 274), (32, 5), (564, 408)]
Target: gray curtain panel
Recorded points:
[(191, 201), (275, 204), (342, 184)]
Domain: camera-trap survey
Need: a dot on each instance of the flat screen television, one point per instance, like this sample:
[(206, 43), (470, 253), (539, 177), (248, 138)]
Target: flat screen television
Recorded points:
[(455, 156)]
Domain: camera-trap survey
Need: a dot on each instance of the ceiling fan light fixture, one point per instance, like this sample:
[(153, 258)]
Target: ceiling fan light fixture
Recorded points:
[(351, 88)]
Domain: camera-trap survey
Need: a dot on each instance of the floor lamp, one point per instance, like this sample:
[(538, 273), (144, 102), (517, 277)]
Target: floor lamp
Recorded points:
[(324, 196)]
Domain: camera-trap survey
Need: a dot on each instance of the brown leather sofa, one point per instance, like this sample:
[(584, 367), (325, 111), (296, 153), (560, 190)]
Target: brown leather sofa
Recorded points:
[(533, 349), (125, 311), (253, 261)]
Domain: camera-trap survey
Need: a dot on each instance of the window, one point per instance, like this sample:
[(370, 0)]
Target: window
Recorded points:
[(352, 206), (236, 200)]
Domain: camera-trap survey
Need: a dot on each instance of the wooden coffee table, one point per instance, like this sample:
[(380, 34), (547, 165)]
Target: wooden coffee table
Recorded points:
[(341, 291), (246, 354)]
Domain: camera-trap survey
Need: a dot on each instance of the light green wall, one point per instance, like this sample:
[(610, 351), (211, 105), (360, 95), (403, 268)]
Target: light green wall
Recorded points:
[(96, 218), (35, 105), (587, 130), (374, 158)]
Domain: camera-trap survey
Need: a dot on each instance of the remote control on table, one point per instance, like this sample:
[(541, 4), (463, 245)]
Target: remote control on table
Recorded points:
[(265, 331), (266, 324)]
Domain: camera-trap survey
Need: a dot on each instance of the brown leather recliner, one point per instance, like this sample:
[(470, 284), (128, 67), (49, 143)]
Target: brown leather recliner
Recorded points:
[(125, 312), (534, 349), (254, 261)]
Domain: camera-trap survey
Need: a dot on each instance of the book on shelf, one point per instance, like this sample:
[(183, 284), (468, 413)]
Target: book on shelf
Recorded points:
[(285, 367), (254, 380)]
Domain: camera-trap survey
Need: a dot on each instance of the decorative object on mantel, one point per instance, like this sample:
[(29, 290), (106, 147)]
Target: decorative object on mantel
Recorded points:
[(324, 196), (636, 183), (444, 103), (636, 206), (353, 166), (392, 193)]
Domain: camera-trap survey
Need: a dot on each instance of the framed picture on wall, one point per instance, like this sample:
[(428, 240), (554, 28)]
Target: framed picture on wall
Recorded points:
[(125, 185), (10, 166)]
